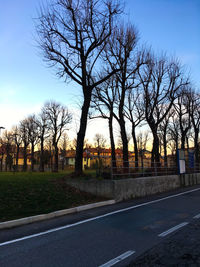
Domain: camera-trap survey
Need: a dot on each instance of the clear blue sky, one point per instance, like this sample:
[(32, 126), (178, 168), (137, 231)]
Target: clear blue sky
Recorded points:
[(25, 81)]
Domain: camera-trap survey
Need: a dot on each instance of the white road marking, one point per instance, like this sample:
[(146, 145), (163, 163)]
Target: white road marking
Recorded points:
[(197, 216), (95, 218), (173, 229), (118, 259)]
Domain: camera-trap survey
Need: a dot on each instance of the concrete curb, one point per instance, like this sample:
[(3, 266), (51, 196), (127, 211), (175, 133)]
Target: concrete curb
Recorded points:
[(41, 217)]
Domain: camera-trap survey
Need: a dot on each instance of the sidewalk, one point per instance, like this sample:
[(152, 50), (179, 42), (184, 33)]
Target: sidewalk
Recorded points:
[(180, 249)]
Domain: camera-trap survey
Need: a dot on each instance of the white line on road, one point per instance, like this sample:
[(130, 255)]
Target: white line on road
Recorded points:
[(173, 229), (197, 216), (95, 218), (118, 259)]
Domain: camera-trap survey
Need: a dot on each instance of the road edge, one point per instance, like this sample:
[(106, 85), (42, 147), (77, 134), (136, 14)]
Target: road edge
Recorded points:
[(54, 214)]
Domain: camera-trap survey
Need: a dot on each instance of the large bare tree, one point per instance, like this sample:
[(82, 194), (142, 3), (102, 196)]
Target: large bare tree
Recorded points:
[(120, 50), (161, 79), (72, 35)]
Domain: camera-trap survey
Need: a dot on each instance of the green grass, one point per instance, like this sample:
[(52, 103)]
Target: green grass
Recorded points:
[(27, 194)]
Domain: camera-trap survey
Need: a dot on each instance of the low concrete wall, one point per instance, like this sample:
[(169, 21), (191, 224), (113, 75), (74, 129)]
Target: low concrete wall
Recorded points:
[(134, 187), (140, 187), (104, 188)]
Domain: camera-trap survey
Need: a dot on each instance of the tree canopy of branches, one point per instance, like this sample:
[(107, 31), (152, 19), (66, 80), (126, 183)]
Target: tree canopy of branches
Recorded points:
[(134, 112), (103, 102), (72, 35), (119, 50), (182, 107), (161, 80)]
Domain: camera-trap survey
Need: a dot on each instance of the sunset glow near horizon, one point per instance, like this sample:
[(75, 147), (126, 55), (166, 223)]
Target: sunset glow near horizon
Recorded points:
[(26, 83)]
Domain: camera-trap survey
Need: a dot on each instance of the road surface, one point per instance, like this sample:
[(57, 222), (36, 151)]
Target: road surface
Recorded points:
[(107, 236)]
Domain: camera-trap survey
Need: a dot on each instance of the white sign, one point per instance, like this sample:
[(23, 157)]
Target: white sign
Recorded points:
[(182, 166)]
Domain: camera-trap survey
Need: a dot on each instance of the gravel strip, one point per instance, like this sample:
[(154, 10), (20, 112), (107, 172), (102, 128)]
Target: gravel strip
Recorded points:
[(179, 249)]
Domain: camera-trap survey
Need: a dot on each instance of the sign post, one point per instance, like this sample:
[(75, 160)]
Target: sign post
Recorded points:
[(181, 164), (181, 161)]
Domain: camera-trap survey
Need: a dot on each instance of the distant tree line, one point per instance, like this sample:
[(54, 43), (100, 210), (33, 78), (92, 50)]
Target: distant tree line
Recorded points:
[(44, 131)]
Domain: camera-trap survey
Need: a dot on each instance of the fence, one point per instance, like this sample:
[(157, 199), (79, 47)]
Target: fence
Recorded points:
[(131, 169)]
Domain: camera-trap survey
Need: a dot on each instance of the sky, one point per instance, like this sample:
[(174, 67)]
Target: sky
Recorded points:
[(26, 83)]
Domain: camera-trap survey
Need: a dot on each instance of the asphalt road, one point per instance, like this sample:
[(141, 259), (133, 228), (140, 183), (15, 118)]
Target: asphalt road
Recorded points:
[(107, 236)]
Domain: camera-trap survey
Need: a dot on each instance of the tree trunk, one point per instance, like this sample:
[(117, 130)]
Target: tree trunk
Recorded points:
[(81, 134), (55, 169), (196, 143), (63, 165), (1, 164), (135, 146), (183, 135), (125, 145), (155, 150), (41, 168), (152, 155), (165, 148), (25, 159), (6, 167), (32, 157), (17, 157), (112, 141)]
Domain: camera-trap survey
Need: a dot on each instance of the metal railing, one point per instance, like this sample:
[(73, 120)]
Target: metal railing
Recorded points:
[(131, 169)]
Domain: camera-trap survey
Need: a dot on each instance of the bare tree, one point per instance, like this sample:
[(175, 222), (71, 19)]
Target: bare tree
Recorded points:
[(182, 107), (161, 80), (63, 147), (134, 112), (42, 125), (163, 130), (174, 134), (99, 142), (142, 140), (17, 138), (2, 152), (7, 137), (120, 48), (195, 120), (58, 119), (32, 136), (103, 102), (72, 35), (25, 140)]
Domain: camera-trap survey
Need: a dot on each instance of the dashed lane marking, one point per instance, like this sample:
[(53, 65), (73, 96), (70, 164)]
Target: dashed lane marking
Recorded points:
[(169, 231), (118, 259), (197, 216)]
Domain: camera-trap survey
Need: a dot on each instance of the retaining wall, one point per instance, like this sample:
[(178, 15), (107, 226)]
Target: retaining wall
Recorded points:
[(134, 187)]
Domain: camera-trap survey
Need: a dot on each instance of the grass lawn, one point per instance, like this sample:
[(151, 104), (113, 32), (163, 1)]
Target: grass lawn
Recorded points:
[(27, 194)]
